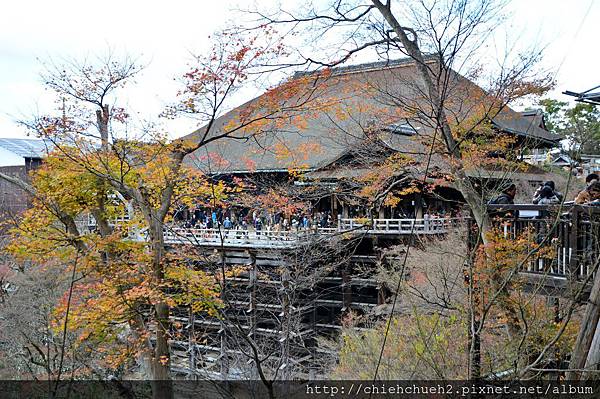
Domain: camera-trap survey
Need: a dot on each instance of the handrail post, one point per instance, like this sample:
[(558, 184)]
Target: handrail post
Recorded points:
[(573, 242)]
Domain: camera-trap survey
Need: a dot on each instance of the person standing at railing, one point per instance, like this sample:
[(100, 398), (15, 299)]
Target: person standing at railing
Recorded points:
[(277, 218), (227, 224), (506, 197), (305, 222), (258, 225), (590, 193), (592, 178), (537, 196), (435, 220), (591, 196), (323, 222), (547, 196)]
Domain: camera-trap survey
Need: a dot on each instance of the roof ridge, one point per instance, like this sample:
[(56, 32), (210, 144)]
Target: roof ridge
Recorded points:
[(365, 67), (534, 111)]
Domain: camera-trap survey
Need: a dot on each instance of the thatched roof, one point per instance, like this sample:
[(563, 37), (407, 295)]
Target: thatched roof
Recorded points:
[(329, 113)]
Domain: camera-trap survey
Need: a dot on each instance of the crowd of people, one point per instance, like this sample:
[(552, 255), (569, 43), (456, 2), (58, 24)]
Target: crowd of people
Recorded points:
[(240, 219), (547, 194), (258, 220)]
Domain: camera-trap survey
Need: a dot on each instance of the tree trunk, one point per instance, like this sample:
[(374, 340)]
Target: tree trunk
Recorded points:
[(161, 361), (462, 182), (593, 359), (474, 328), (587, 331), (474, 348), (102, 119), (144, 358)]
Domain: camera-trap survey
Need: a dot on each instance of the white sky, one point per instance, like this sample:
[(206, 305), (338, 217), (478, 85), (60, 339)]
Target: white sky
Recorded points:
[(164, 34)]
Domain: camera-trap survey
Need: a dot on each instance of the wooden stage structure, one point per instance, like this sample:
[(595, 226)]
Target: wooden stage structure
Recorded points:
[(293, 288)]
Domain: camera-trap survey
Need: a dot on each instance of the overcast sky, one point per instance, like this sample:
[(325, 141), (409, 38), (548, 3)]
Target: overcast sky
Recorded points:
[(165, 33)]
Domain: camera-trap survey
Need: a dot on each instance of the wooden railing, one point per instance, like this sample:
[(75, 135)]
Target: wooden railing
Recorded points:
[(91, 221), (569, 233), (399, 226), (180, 235), (286, 238)]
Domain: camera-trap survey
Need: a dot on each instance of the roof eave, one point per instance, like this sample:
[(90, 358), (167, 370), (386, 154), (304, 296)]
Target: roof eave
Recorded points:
[(528, 135), (246, 171)]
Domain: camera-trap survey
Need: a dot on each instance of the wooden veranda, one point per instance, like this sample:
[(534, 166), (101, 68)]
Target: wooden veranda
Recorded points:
[(565, 243)]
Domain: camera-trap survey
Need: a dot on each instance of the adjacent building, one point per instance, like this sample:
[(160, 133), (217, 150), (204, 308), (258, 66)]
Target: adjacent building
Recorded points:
[(18, 157)]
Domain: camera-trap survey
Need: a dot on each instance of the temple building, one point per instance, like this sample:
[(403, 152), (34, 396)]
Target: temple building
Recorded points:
[(348, 127), (358, 148)]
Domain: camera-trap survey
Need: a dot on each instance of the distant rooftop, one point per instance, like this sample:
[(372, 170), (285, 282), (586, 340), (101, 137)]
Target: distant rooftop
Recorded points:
[(531, 112), (536, 118), (26, 148)]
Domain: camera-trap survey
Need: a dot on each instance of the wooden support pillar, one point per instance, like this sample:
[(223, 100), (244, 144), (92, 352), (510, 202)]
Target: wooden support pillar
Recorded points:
[(381, 294), (192, 342), (252, 311), (473, 333), (253, 277), (223, 356), (418, 206), (381, 289), (312, 346), (346, 290), (224, 345), (285, 329), (573, 244)]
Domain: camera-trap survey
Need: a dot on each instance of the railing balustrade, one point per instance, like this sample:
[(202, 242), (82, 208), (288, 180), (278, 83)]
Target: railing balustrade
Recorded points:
[(571, 232), (278, 238), (568, 237), (91, 221), (425, 225), (181, 235)]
